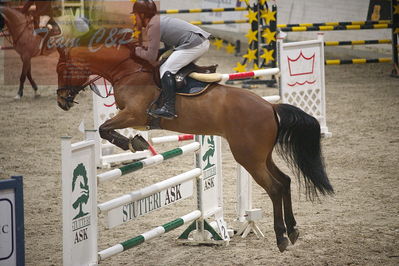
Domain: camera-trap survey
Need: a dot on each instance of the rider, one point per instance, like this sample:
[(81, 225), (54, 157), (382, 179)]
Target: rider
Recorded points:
[(43, 15), (188, 41)]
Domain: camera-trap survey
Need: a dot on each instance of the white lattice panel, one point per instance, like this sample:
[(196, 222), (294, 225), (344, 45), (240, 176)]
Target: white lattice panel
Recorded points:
[(302, 78)]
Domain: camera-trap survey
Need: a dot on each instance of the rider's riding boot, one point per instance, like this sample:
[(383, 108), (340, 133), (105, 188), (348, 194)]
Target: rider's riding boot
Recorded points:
[(167, 111)]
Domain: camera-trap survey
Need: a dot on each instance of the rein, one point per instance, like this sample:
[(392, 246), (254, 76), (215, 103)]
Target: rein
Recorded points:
[(73, 91), (22, 32), (6, 36), (11, 39)]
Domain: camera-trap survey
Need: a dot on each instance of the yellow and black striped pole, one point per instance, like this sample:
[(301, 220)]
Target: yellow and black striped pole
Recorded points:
[(395, 37), (202, 10), (339, 27), (357, 61), (218, 22), (358, 42), (344, 23)]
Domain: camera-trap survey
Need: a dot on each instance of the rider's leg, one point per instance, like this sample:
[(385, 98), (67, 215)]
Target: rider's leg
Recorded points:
[(176, 61), (44, 20), (43, 28), (167, 110)]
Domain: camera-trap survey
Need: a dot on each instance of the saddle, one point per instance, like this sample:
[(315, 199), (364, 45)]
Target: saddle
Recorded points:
[(186, 85)]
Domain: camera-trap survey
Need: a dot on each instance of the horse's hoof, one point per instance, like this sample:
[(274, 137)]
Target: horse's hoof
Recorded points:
[(283, 244), (17, 97), (138, 143), (293, 236)]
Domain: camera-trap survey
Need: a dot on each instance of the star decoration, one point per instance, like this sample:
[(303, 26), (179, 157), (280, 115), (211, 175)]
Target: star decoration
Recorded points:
[(262, 2), (269, 36), (267, 55), (231, 49), (218, 43), (136, 34), (252, 36), (268, 15), (252, 16), (256, 67), (396, 9), (133, 19), (240, 67), (251, 55)]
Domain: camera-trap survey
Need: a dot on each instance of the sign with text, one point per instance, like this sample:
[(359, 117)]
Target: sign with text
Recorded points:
[(209, 161), (79, 203), (12, 251), (7, 228), (158, 200)]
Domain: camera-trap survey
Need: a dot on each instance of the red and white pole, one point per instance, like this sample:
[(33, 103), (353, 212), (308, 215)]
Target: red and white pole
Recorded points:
[(250, 74)]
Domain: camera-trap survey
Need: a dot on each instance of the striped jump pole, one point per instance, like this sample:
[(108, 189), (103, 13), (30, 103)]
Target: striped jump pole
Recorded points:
[(250, 74), (160, 230), (339, 27), (345, 23), (172, 138), (219, 22), (357, 61), (150, 190), (358, 42), (6, 47), (154, 160), (203, 10), (217, 77)]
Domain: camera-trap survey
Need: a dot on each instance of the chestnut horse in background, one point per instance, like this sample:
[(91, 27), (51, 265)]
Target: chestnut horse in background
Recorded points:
[(251, 125), (24, 42)]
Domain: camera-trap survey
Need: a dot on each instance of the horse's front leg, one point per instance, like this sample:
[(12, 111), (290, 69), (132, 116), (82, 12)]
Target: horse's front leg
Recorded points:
[(26, 64), (123, 119)]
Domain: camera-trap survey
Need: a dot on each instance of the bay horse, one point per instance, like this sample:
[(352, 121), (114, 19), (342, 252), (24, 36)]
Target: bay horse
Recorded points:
[(251, 125), (25, 43)]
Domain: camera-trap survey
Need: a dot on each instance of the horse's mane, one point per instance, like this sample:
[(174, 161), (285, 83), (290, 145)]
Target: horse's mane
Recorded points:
[(84, 42)]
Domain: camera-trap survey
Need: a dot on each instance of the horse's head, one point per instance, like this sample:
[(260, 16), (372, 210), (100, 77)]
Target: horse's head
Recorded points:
[(73, 76)]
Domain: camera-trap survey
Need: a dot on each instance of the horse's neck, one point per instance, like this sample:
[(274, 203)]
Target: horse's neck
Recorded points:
[(16, 22), (115, 65)]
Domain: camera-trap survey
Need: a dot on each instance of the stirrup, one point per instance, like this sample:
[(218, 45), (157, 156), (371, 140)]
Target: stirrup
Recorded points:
[(162, 114)]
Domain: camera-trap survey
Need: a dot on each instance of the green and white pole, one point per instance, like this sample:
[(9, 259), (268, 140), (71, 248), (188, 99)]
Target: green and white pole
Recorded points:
[(150, 190), (118, 248), (154, 160)]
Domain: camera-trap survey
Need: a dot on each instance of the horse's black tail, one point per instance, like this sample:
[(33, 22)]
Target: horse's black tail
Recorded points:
[(299, 145)]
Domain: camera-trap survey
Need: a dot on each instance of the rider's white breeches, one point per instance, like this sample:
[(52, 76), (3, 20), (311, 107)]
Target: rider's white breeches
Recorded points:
[(181, 58), (43, 21)]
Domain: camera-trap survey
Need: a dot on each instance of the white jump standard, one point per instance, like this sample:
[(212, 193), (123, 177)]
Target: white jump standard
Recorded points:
[(80, 207)]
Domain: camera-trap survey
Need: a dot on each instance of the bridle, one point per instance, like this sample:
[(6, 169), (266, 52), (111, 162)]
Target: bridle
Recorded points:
[(74, 90)]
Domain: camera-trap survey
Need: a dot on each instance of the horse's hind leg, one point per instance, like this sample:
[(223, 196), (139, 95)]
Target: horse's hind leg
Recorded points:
[(274, 189), (285, 180), (255, 164), (32, 82)]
